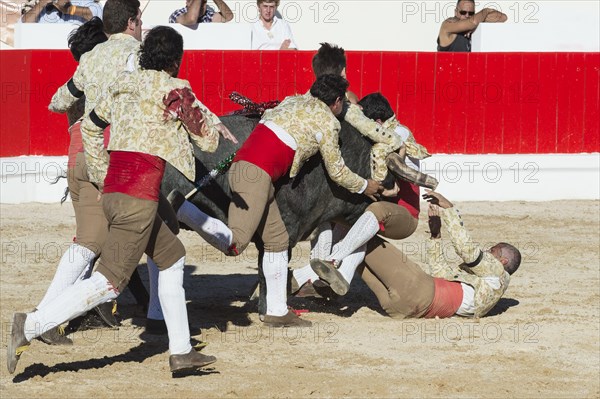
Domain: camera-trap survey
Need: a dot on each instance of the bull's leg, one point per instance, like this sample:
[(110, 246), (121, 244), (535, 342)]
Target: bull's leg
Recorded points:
[(138, 290), (155, 320), (262, 284)]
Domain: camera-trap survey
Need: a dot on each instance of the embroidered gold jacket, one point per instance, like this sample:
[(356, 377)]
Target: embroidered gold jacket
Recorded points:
[(487, 277)]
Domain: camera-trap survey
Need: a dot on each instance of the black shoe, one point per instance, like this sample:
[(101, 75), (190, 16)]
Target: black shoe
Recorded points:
[(191, 360), (107, 312), (396, 165), (324, 290), (327, 272), (17, 343), (176, 199), (156, 327), (55, 336), (288, 320)]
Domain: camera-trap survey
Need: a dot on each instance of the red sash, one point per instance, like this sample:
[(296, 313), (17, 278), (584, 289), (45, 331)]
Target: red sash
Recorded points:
[(446, 300), (135, 174), (264, 149)]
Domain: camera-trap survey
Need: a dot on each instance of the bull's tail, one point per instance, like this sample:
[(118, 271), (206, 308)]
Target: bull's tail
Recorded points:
[(66, 193)]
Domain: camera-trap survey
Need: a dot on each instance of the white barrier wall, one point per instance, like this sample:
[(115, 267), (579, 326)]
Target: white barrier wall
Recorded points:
[(546, 27), (398, 25), (393, 25), (197, 37), (527, 177)]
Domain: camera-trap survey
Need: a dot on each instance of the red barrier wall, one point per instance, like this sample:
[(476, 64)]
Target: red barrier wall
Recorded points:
[(474, 103)]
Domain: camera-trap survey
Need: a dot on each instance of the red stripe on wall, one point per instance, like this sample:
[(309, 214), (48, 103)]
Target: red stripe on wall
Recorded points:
[(424, 102), (491, 96), (475, 78), (14, 112), (529, 99), (453, 103), (591, 116), (547, 118)]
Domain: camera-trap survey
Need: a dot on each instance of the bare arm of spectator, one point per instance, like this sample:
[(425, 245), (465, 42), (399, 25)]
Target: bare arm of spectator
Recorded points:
[(32, 14), (191, 16), (495, 16), (65, 7), (452, 25), (85, 12), (225, 14)]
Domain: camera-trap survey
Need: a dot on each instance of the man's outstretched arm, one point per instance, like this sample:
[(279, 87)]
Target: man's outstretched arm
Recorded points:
[(469, 252)]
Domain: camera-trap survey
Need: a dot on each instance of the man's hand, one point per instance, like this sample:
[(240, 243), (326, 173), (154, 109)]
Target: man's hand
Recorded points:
[(435, 222), (391, 192), (437, 199), (227, 135), (285, 45), (62, 5), (373, 187)]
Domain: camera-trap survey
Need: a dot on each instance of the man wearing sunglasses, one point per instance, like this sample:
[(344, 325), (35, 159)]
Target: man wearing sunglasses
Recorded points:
[(455, 33)]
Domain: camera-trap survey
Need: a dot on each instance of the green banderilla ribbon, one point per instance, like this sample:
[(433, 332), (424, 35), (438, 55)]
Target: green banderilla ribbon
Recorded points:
[(216, 171)]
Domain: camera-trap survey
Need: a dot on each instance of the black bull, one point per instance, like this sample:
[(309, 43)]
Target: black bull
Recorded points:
[(304, 201)]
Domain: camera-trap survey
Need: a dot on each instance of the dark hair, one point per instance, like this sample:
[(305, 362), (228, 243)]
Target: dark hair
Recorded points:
[(117, 13), (470, 1), (375, 106), (512, 254), (329, 60), (161, 49), (85, 37), (329, 88), (258, 2)]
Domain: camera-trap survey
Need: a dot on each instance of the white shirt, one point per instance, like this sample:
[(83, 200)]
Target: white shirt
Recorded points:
[(412, 163), (263, 39), (467, 306)]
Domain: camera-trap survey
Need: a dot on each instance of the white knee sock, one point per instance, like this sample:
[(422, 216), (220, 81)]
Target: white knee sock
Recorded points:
[(351, 262), (361, 232), (172, 300), (275, 266), (320, 246), (72, 264), (304, 274), (154, 309), (75, 300), (212, 230)]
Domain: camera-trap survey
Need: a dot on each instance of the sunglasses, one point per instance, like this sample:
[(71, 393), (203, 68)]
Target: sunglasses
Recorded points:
[(469, 13)]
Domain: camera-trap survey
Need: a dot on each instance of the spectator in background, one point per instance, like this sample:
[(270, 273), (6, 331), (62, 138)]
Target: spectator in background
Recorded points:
[(60, 11), (455, 32), (197, 11), (271, 32)]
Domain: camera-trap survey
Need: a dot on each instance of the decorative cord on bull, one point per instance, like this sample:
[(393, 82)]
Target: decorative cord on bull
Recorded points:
[(249, 109)]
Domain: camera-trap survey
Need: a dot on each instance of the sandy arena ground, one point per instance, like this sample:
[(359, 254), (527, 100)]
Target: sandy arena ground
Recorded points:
[(542, 339)]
